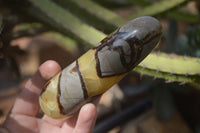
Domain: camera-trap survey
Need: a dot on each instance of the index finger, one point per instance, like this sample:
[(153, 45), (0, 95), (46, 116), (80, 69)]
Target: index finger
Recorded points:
[(27, 102)]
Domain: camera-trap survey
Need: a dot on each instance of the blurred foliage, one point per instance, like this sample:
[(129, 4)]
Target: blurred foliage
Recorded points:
[(189, 43), (166, 8), (102, 18), (183, 44), (158, 8), (163, 101), (0, 23)]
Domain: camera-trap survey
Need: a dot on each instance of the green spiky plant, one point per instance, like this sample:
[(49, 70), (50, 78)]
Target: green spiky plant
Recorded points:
[(170, 67), (162, 65)]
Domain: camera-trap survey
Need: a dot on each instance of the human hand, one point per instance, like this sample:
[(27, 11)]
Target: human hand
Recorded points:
[(22, 116)]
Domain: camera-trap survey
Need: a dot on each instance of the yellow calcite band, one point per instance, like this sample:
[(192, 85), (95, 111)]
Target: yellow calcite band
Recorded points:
[(94, 84), (49, 101)]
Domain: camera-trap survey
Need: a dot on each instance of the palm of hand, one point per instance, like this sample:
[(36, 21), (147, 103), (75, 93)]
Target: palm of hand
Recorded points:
[(22, 116)]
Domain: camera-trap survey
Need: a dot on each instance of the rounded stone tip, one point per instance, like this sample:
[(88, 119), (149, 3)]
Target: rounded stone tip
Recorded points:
[(142, 26)]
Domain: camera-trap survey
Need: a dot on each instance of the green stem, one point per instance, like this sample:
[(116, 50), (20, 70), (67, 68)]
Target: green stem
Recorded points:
[(157, 8), (64, 21), (164, 6), (93, 14)]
